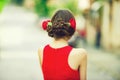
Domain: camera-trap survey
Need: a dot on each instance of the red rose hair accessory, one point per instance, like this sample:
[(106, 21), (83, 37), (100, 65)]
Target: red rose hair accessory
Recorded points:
[(45, 24), (72, 23)]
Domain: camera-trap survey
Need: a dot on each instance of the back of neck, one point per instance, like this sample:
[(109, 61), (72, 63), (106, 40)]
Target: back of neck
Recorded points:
[(59, 43)]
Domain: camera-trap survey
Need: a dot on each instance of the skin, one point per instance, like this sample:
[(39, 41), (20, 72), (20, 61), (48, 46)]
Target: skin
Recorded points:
[(76, 59)]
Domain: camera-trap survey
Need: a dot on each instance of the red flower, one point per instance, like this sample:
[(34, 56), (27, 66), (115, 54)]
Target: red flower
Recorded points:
[(72, 23), (45, 24)]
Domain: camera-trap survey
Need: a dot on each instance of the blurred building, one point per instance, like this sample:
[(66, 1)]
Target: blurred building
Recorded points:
[(111, 25), (103, 24)]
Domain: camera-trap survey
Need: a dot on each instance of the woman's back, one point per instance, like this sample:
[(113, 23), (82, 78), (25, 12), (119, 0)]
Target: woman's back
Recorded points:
[(55, 64)]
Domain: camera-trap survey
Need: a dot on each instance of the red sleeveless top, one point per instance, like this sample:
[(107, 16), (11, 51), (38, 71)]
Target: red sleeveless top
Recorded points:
[(55, 64)]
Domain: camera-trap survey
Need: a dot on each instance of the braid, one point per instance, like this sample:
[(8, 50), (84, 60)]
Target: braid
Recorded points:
[(59, 23), (60, 27)]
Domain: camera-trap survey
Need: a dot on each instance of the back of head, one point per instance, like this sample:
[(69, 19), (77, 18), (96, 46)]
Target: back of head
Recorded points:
[(61, 25)]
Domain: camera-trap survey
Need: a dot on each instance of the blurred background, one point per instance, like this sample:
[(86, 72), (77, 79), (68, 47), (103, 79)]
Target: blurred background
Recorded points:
[(98, 31)]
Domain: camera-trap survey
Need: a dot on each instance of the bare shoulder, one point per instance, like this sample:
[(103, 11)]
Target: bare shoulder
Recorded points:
[(40, 50), (40, 54), (79, 53)]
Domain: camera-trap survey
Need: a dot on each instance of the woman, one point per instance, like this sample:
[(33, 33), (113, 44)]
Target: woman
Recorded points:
[(58, 60)]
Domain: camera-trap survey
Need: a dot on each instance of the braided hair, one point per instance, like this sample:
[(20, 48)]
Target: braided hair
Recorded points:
[(60, 27)]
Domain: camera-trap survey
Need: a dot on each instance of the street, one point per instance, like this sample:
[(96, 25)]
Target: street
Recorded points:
[(21, 36)]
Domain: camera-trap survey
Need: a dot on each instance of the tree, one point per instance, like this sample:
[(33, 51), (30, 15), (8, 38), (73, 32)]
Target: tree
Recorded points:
[(41, 7), (2, 4)]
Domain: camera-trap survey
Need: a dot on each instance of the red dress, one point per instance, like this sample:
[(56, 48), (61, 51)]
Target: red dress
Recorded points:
[(55, 64)]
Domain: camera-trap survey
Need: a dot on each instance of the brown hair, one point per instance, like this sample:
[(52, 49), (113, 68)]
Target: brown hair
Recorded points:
[(60, 28)]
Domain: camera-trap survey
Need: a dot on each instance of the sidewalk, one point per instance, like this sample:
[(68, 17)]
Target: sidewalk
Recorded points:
[(103, 65), (19, 41)]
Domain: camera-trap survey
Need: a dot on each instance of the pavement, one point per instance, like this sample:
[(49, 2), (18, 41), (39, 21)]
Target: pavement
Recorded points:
[(20, 38), (103, 65)]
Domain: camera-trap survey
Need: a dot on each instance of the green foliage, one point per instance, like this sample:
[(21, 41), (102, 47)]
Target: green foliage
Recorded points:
[(72, 5), (68, 4), (2, 4), (17, 2), (41, 7), (51, 10), (45, 9)]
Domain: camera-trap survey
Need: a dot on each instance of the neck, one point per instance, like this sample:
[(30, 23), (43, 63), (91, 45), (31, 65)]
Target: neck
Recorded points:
[(59, 43)]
